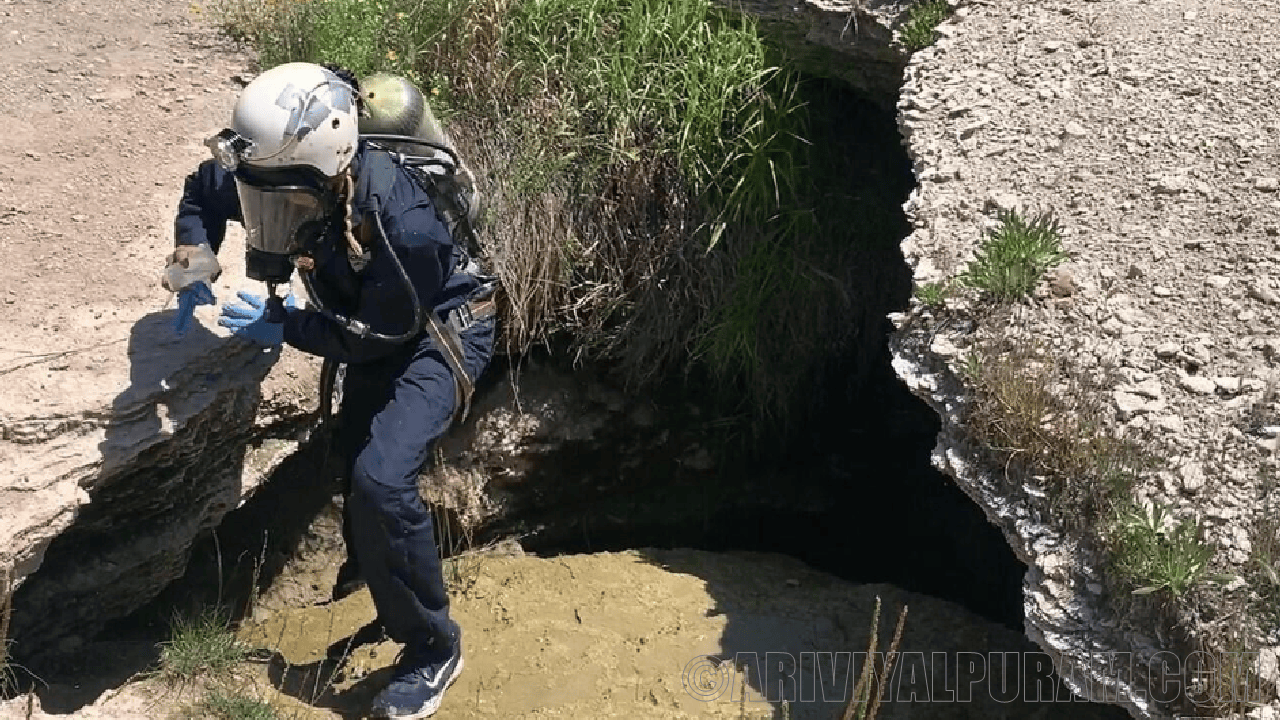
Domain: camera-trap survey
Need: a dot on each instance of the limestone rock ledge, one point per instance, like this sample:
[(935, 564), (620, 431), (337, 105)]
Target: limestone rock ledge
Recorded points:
[(1063, 587), (850, 41), (1057, 107), (101, 502)]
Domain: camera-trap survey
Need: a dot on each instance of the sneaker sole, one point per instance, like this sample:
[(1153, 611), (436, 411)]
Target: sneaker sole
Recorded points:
[(431, 707)]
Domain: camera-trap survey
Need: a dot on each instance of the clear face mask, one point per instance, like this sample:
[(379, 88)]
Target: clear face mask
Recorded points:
[(281, 220)]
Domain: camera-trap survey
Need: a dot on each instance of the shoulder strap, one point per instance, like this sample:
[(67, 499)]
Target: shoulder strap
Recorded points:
[(452, 190), (376, 177), (456, 201)]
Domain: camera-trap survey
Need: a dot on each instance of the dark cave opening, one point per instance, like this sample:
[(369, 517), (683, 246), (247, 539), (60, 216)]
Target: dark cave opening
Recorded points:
[(853, 492), (858, 499)]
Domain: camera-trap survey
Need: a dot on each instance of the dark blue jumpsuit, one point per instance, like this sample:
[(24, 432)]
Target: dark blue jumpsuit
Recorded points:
[(398, 399)]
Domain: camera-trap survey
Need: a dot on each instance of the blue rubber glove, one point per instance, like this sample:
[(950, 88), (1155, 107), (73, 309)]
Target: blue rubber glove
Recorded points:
[(197, 293), (259, 320)]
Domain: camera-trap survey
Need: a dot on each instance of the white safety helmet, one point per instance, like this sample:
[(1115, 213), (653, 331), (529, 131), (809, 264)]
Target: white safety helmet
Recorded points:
[(297, 115), (294, 129)]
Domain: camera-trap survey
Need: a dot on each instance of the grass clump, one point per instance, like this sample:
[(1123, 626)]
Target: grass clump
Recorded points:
[(1156, 555), (1045, 424), (200, 646), (1045, 421), (1265, 570), (1223, 680), (221, 704), (867, 693), (1014, 256), (920, 29)]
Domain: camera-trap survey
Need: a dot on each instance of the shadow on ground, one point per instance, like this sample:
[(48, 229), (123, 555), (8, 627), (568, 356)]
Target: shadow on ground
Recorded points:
[(810, 652)]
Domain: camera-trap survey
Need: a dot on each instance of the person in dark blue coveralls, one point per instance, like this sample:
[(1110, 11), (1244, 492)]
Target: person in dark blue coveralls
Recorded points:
[(387, 298)]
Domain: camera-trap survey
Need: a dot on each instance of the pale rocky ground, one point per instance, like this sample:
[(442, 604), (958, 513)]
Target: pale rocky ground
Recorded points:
[(1151, 129), (105, 110)]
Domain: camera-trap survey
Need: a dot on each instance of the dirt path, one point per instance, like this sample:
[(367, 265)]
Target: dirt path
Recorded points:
[(104, 106)]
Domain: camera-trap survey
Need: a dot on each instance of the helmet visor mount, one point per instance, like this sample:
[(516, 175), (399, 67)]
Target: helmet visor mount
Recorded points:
[(229, 149)]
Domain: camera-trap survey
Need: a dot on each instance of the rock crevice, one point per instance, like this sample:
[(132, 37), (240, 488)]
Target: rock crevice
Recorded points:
[(848, 40)]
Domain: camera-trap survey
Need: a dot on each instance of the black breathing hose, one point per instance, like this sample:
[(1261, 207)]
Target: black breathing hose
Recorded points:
[(328, 378), (380, 138), (329, 370), (358, 328)]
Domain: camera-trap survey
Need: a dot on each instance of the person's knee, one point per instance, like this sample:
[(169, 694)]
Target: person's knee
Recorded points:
[(368, 485), (393, 503)]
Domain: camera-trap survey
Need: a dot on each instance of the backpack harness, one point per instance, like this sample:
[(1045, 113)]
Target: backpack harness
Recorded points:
[(456, 204)]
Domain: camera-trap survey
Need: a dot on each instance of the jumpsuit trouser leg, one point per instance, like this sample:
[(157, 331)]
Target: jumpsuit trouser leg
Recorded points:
[(406, 403)]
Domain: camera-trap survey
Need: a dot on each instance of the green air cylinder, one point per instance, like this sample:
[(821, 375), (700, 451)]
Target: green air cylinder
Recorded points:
[(395, 106)]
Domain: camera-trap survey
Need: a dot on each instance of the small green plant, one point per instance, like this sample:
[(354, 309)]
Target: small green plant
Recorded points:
[(1155, 556), (1015, 255), (1265, 575), (200, 645), (923, 19), (222, 704), (934, 295)]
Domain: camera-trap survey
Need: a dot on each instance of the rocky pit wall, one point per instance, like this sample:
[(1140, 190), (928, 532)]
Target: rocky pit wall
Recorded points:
[(850, 41), (1149, 129), (102, 503)]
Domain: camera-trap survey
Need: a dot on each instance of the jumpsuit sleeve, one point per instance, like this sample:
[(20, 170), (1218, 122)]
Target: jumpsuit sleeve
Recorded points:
[(209, 200), (384, 304)]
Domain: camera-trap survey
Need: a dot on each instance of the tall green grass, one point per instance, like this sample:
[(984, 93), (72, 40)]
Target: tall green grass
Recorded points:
[(653, 193), (672, 75)]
